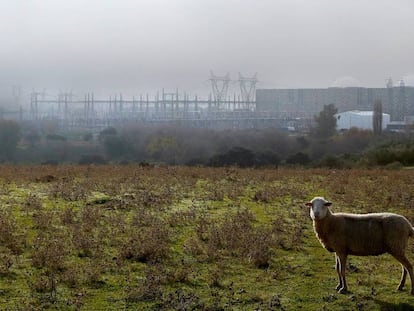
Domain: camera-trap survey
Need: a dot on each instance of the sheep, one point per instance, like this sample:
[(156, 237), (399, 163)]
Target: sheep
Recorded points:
[(361, 235)]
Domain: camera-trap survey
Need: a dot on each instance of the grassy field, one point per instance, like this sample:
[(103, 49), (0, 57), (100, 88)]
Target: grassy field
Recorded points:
[(176, 238)]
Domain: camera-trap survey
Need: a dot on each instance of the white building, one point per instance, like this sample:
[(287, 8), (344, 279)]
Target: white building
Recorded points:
[(360, 119)]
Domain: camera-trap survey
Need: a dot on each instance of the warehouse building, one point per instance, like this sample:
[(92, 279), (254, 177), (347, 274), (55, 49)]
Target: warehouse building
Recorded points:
[(360, 119), (397, 101)]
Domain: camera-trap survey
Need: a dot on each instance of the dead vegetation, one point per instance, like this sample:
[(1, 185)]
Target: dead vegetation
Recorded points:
[(170, 238)]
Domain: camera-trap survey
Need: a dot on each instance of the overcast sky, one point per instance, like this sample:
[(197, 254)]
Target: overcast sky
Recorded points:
[(138, 46)]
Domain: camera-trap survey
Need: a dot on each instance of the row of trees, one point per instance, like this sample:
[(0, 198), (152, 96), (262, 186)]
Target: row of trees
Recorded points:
[(176, 145)]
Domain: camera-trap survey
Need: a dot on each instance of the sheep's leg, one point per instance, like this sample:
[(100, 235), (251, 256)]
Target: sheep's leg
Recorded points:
[(338, 269), (403, 277), (407, 267), (342, 267)]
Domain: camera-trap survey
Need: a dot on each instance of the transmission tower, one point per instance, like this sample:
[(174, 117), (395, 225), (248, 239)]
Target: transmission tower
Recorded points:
[(248, 87), (220, 85)]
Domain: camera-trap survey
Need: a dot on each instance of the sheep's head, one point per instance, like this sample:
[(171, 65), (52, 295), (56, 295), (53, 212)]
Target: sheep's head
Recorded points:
[(318, 207)]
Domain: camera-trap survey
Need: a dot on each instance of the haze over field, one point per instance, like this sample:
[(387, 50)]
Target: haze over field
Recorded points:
[(141, 46)]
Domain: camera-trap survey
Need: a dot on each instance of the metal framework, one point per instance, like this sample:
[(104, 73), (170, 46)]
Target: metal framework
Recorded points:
[(248, 87), (220, 86), (87, 111)]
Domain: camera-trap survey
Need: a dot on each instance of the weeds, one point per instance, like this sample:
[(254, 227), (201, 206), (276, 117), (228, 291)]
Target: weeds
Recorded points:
[(9, 232), (148, 239), (182, 238)]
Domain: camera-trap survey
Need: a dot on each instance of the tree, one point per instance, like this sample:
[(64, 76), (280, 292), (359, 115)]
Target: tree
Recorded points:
[(164, 148), (326, 122), (377, 118), (115, 146), (9, 137)]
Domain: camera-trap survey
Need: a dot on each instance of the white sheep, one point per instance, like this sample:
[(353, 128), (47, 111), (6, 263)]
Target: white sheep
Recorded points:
[(361, 235)]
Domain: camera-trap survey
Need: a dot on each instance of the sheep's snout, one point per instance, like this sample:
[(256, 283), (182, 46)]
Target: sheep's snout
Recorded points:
[(315, 214)]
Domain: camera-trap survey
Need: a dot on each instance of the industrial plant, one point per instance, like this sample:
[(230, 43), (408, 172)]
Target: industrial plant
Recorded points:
[(284, 108)]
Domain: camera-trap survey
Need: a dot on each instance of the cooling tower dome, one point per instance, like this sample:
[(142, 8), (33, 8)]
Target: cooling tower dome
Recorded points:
[(346, 81)]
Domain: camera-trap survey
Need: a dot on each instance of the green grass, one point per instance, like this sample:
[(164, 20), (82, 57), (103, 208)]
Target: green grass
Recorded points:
[(202, 229)]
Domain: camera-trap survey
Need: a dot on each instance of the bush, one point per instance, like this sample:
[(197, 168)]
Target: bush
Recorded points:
[(268, 158), (9, 137), (148, 240), (242, 157), (55, 137), (330, 161), (299, 158), (115, 146), (9, 236), (398, 152), (237, 156), (91, 159), (236, 236)]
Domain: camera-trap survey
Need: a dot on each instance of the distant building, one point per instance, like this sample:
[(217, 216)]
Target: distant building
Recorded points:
[(397, 101), (360, 119)]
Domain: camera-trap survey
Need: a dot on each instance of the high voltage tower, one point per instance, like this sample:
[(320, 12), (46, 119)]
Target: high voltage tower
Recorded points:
[(248, 87), (220, 86), (217, 111)]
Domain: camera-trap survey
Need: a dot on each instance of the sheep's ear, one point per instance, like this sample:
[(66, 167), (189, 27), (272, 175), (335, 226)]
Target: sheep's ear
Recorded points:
[(328, 204), (308, 204)]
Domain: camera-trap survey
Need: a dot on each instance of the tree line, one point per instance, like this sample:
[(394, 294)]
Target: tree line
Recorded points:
[(323, 146)]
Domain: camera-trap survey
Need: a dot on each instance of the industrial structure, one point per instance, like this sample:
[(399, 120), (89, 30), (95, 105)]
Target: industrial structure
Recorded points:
[(360, 119), (251, 108), (164, 108), (398, 101)]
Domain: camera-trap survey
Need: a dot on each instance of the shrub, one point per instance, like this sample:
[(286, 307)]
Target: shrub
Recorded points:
[(115, 146), (299, 158), (9, 235), (397, 152), (182, 300), (236, 236), (88, 234), (268, 158), (55, 137), (91, 159), (237, 156), (50, 250), (10, 133), (149, 289), (148, 240), (7, 260), (331, 161)]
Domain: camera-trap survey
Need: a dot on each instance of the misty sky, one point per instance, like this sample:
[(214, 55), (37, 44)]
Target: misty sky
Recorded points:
[(137, 46)]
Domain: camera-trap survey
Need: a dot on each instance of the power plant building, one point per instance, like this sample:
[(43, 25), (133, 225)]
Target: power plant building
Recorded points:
[(398, 101), (360, 119)]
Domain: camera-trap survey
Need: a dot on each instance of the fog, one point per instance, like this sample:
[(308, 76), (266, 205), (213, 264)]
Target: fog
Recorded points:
[(137, 46)]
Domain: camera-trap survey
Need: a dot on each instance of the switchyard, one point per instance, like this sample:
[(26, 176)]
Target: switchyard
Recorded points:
[(250, 108), (163, 109), (217, 111)]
